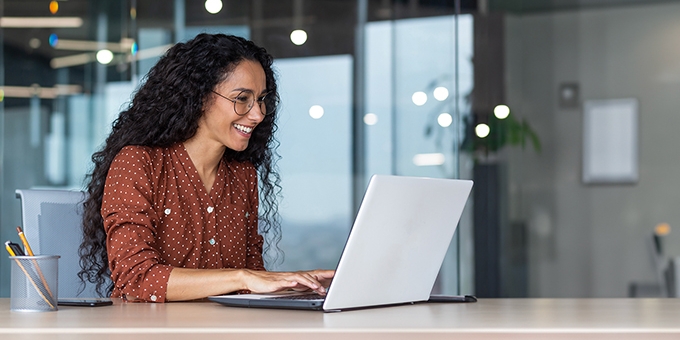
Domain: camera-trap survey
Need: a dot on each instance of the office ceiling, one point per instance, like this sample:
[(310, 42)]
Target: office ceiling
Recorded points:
[(532, 6), (330, 23)]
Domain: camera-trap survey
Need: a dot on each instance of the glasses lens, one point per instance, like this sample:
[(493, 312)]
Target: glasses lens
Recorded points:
[(244, 102), (263, 106)]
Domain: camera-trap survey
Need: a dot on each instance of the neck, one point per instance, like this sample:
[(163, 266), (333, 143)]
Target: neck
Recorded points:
[(206, 158)]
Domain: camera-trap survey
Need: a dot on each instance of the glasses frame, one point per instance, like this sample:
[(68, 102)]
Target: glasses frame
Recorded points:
[(259, 102)]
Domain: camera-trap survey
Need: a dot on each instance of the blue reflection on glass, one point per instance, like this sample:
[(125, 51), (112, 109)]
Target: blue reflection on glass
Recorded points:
[(53, 40)]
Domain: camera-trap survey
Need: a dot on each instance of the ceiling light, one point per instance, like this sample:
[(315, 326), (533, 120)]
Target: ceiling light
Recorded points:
[(152, 52), (316, 111), (370, 119), (104, 57), (419, 98), (444, 120), (41, 22), (298, 37), (34, 43), (84, 58), (41, 92), (72, 60), (213, 6), (428, 159), (482, 130), (501, 111), (441, 93), (54, 7), (86, 45)]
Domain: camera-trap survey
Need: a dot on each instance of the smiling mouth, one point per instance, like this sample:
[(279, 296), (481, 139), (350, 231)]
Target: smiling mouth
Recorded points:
[(245, 129)]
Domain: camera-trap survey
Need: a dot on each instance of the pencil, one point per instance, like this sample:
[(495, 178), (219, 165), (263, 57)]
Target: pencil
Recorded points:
[(24, 241)]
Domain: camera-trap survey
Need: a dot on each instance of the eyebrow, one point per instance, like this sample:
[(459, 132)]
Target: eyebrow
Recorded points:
[(241, 89)]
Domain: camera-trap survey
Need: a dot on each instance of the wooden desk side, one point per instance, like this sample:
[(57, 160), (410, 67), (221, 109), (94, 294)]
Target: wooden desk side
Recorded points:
[(486, 319)]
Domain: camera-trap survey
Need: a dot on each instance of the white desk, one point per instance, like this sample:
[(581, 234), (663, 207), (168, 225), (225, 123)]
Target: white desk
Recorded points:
[(486, 319)]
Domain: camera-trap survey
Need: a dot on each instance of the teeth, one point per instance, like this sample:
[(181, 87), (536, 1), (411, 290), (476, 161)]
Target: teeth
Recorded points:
[(243, 129)]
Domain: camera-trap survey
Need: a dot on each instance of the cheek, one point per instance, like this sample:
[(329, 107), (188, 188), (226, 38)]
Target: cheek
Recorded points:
[(219, 121)]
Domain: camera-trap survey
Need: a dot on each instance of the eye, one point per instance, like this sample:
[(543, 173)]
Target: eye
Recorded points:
[(243, 98)]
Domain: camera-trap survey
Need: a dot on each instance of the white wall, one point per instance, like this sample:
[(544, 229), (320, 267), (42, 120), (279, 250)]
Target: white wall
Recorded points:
[(590, 240)]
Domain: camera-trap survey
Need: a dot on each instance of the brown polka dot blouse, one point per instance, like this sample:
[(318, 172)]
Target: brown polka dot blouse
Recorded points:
[(158, 215)]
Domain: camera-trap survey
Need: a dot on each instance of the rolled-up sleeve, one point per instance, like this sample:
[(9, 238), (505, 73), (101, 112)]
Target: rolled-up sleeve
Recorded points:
[(130, 223)]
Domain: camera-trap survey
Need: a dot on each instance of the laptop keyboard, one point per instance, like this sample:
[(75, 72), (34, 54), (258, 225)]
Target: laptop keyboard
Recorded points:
[(301, 297)]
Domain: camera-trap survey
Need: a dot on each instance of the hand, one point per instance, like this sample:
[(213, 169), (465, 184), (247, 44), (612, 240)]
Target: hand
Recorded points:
[(323, 276), (268, 282)]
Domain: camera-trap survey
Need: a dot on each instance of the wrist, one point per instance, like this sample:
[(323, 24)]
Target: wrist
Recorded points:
[(242, 278)]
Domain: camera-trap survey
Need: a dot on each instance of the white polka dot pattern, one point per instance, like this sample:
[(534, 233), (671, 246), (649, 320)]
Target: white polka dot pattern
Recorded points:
[(158, 215)]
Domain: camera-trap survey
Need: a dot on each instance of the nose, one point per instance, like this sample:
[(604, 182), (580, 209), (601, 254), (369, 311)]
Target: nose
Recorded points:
[(255, 114)]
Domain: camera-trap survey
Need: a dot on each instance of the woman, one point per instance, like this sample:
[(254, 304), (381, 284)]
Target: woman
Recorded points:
[(172, 212)]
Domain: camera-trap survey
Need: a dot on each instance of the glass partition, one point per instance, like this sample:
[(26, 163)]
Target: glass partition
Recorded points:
[(69, 67), (417, 74), (558, 233), (315, 166)]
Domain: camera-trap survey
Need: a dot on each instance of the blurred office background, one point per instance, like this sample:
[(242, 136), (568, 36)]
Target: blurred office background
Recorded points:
[(562, 111)]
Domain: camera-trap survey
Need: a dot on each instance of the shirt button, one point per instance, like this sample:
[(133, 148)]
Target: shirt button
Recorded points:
[(153, 298), (167, 211), (210, 209), (211, 241), (247, 214)]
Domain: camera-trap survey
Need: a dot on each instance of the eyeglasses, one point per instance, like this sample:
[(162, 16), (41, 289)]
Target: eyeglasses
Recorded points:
[(244, 102)]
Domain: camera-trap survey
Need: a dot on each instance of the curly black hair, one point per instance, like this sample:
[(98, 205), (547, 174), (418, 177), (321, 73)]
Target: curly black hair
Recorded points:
[(164, 111)]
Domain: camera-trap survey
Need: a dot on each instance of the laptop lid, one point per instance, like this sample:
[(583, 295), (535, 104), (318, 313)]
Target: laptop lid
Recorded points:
[(395, 248)]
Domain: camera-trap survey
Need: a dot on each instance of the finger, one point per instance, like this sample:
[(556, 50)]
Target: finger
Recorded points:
[(309, 276), (306, 279), (309, 281), (324, 274), (264, 282), (296, 280), (301, 289), (280, 285)]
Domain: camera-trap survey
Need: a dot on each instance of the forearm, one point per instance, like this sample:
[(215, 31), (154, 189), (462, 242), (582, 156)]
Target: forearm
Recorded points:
[(190, 284)]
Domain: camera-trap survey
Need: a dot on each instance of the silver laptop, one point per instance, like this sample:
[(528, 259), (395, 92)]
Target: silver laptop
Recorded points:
[(394, 250)]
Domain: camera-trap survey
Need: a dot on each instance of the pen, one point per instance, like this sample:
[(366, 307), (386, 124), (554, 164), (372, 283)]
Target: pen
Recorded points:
[(24, 241), (9, 249), (16, 249)]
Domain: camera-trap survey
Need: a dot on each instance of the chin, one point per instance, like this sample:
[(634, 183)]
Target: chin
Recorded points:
[(238, 148)]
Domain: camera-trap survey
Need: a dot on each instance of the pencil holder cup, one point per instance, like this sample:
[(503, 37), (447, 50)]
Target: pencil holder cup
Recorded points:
[(34, 282)]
